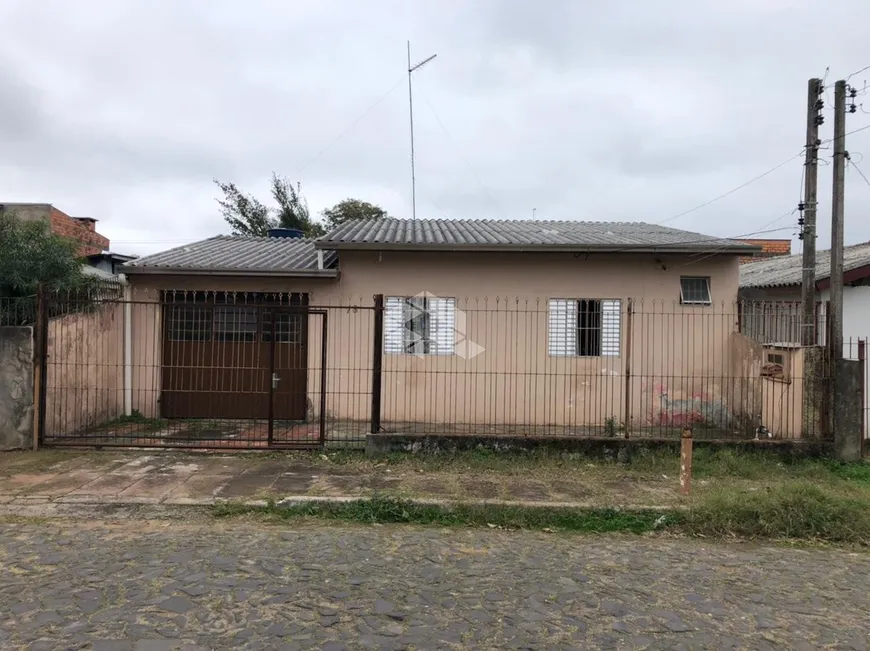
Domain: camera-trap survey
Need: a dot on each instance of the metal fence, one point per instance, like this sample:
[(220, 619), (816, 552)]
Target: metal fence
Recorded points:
[(258, 370)]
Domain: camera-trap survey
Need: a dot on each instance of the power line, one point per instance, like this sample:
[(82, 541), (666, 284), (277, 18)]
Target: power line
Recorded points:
[(460, 152), (350, 126), (858, 169), (733, 190)]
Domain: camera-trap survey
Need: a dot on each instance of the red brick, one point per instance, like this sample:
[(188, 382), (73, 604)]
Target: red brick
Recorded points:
[(769, 249), (89, 241)]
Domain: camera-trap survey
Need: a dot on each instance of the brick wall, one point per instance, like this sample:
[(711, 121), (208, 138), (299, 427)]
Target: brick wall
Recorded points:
[(89, 241), (769, 249)]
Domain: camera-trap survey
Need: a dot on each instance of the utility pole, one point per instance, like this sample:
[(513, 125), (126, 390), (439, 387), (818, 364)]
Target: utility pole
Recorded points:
[(810, 204), (411, 116), (836, 343)]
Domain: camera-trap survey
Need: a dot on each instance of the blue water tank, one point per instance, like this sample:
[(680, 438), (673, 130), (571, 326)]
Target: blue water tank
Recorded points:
[(292, 233)]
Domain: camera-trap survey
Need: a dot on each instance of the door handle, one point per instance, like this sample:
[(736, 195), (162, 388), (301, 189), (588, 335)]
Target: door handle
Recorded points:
[(275, 380)]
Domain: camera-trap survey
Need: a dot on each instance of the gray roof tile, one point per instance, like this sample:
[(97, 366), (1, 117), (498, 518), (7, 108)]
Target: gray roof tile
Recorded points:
[(521, 234), (234, 253), (788, 270)]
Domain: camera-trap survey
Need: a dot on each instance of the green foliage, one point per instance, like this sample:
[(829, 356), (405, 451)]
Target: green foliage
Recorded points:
[(380, 510), (351, 209), (246, 215), (610, 426), (31, 254), (796, 510)]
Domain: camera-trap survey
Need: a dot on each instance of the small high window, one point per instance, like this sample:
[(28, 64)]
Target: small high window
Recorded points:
[(695, 290)]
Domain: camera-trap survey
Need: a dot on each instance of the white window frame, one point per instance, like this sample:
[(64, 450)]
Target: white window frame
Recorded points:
[(434, 316), (706, 280), (563, 326)]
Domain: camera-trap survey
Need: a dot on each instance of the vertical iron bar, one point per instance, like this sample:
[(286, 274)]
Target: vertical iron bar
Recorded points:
[(271, 425), (629, 310), (40, 367), (377, 363), (323, 361)]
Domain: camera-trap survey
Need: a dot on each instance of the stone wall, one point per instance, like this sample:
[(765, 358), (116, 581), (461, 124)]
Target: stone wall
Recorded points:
[(16, 387)]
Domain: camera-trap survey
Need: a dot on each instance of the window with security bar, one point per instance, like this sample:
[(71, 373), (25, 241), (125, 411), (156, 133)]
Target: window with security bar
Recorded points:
[(288, 327), (584, 327), (419, 325), (695, 290), (238, 324), (189, 323)]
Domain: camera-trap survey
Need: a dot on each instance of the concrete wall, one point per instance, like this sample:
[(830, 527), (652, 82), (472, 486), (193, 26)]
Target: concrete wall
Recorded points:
[(679, 353), (16, 387), (85, 370)]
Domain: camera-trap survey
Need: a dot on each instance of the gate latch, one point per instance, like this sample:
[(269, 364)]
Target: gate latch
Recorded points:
[(275, 380)]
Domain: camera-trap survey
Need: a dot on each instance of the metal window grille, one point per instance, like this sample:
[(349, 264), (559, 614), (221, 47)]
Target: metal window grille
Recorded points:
[(189, 323), (695, 290), (419, 325), (235, 324), (288, 327), (584, 327)]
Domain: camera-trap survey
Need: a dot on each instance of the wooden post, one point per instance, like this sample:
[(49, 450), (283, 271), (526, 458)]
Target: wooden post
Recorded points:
[(686, 461)]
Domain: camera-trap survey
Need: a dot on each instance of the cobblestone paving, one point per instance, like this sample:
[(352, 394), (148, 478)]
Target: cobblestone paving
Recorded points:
[(157, 585)]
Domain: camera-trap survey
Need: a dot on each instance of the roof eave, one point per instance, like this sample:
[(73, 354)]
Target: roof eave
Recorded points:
[(537, 248), (252, 273)]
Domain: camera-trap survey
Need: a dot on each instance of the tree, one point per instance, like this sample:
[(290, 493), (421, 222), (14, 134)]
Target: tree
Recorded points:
[(351, 209), (30, 255), (246, 215)]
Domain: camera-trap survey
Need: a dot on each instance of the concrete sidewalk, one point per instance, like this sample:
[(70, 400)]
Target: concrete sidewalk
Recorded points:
[(201, 478)]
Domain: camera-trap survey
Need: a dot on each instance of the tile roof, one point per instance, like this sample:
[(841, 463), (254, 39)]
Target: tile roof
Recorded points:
[(521, 234), (788, 270), (238, 254)]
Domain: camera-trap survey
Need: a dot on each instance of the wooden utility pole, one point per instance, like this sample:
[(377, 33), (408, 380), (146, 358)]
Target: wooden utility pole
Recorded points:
[(808, 231), (836, 343)]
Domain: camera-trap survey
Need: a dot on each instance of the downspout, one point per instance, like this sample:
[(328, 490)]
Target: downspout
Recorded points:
[(128, 346)]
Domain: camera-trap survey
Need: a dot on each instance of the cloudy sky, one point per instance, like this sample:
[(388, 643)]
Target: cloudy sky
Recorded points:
[(125, 110)]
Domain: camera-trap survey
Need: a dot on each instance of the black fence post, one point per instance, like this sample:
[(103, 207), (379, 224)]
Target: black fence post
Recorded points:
[(40, 365), (377, 362)]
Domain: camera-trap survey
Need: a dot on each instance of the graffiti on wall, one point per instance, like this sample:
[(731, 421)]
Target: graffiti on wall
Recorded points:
[(698, 408)]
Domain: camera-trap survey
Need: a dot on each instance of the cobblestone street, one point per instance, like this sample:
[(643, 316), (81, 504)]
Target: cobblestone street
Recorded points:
[(152, 585)]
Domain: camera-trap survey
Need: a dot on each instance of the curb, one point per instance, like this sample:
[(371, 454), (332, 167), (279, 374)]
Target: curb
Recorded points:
[(143, 507)]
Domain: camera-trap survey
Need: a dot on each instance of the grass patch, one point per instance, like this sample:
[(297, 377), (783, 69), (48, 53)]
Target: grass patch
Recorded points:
[(796, 510), (143, 423), (379, 510)]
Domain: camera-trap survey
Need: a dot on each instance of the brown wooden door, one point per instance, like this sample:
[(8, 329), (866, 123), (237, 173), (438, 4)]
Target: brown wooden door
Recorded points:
[(217, 360)]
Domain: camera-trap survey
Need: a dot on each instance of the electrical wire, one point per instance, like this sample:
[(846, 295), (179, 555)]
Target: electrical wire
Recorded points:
[(349, 127), (733, 190), (858, 169), (459, 151)]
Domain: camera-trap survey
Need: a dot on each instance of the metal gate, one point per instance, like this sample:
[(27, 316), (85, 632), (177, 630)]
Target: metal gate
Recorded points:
[(194, 369)]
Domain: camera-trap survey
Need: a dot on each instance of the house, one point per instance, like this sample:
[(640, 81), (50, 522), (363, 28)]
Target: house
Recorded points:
[(504, 323), (109, 262), (80, 229), (777, 282), (769, 249)]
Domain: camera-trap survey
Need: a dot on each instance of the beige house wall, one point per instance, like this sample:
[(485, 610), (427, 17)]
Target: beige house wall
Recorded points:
[(85, 381), (681, 356)]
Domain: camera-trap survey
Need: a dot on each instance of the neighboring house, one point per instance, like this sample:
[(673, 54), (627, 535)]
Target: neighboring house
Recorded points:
[(522, 322), (80, 229), (777, 281), (769, 249), (109, 262)]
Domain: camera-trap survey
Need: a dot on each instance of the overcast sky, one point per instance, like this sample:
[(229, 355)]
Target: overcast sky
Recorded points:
[(628, 110)]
